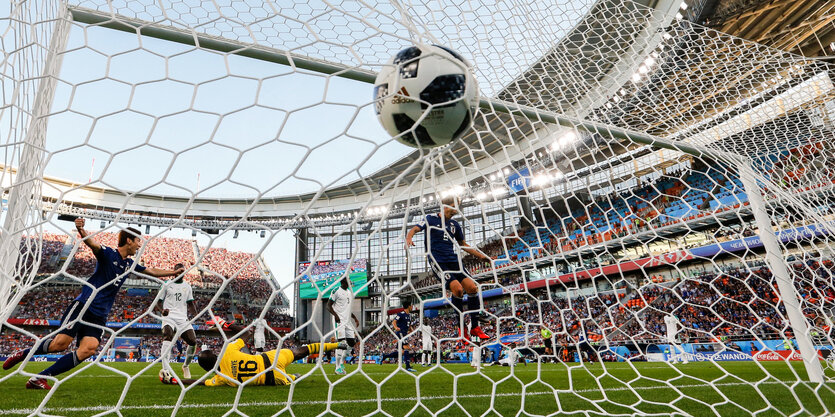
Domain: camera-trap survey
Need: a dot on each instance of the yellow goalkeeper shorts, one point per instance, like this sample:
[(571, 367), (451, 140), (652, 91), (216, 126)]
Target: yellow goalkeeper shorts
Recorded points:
[(285, 357)]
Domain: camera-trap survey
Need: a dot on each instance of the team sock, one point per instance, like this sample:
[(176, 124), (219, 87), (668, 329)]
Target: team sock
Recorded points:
[(340, 356), (64, 364), (314, 348), (473, 307), (39, 349), (458, 303), (189, 355), (407, 357), (165, 354)]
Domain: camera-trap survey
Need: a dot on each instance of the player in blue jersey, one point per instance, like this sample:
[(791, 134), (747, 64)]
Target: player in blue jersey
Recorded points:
[(402, 325), (442, 234), (86, 316)]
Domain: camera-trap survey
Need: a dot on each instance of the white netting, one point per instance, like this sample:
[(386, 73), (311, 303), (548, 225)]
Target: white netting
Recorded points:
[(628, 172)]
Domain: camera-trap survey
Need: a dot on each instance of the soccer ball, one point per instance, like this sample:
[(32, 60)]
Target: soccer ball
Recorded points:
[(426, 96)]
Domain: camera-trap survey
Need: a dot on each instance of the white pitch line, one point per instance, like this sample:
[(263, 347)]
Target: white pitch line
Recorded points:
[(518, 370), (363, 400)]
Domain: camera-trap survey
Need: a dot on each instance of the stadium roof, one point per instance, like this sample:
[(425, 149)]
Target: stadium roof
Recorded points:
[(803, 27)]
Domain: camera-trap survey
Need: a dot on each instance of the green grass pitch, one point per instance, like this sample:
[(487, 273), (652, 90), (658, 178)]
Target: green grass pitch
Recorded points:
[(447, 390)]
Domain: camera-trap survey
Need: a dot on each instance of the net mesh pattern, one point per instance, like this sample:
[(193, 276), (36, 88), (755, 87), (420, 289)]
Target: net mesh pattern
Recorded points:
[(711, 245)]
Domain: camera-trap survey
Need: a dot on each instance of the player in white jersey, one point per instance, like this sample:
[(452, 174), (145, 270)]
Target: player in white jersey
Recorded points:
[(259, 335), (175, 303), (339, 305), (512, 356), (427, 349), (676, 353)]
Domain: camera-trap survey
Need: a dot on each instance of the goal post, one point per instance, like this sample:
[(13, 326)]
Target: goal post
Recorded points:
[(37, 56), (776, 261)]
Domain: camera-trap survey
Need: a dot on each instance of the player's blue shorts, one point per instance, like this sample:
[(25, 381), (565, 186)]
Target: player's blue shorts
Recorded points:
[(401, 335), (81, 330), (449, 271)]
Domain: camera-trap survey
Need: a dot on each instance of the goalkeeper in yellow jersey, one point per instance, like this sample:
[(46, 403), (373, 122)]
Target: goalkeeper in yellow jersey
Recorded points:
[(236, 367)]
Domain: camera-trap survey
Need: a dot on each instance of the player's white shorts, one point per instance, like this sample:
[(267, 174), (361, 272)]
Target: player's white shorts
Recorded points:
[(260, 341), (178, 324), (427, 345), (344, 331)]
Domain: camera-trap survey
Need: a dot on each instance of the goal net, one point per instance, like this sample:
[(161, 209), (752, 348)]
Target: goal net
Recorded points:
[(655, 197)]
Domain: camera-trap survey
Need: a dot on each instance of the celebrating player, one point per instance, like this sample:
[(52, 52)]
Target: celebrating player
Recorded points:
[(86, 322), (339, 305), (175, 303), (268, 368), (438, 240)]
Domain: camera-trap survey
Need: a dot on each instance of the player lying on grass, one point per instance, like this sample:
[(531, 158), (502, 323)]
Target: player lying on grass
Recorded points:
[(511, 356), (236, 366)]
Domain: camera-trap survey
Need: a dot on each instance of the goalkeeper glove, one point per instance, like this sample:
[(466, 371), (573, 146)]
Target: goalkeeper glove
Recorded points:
[(219, 322), (167, 378)]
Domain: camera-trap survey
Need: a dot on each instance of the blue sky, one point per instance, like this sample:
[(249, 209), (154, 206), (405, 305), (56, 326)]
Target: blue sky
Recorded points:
[(150, 115)]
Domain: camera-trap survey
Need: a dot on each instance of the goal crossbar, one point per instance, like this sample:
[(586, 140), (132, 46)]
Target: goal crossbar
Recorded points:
[(278, 56)]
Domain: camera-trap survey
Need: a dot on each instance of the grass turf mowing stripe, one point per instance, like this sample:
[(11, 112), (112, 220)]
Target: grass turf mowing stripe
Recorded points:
[(366, 400)]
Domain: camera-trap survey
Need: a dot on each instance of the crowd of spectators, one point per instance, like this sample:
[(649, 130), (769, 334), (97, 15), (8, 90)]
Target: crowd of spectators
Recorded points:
[(255, 290), (734, 302), (50, 245), (620, 213), (158, 252), (48, 303)]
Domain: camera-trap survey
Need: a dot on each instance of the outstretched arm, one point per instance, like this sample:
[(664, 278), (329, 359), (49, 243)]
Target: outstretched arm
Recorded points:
[(410, 235), (86, 238), (473, 251), (233, 329), (188, 382), (159, 273)]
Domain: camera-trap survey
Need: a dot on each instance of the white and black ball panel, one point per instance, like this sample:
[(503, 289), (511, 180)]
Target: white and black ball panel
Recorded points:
[(455, 55), (426, 96)]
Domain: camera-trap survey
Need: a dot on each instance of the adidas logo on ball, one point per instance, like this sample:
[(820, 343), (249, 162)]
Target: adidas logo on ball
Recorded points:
[(402, 97)]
